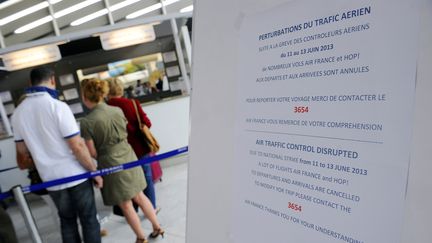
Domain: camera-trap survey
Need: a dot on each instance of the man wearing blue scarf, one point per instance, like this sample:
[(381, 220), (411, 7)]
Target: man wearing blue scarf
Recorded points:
[(47, 135)]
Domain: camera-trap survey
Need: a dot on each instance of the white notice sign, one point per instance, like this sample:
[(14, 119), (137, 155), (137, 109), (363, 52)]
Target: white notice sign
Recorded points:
[(325, 104)]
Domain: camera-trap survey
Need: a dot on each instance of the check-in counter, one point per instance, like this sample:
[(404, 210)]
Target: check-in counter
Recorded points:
[(11, 177)]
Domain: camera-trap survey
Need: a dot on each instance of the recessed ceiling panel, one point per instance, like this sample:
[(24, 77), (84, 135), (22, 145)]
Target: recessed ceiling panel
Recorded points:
[(9, 28), (177, 6), (18, 7), (68, 19), (119, 13), (101, 21), (66, 4)]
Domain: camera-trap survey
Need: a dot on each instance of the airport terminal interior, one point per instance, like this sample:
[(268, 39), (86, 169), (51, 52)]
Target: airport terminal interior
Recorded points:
[(146, 46), (215, 121)]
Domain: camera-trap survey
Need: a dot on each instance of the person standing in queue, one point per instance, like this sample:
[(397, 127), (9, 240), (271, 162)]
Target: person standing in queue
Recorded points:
[(134, 136), (105, 134), (47, 135)]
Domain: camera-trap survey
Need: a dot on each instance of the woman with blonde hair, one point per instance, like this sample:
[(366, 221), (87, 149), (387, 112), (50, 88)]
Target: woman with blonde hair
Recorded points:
[(135, 138), (104, 131)]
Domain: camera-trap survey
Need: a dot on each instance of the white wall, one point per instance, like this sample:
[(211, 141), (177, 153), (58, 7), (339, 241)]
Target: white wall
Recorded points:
[(215, 42), (170, 122)]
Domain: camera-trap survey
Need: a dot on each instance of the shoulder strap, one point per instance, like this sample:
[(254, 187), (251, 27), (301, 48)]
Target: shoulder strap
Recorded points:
[(136, 112)]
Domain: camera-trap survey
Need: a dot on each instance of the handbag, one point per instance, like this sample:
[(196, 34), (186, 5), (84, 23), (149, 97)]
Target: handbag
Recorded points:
[(149, 139)]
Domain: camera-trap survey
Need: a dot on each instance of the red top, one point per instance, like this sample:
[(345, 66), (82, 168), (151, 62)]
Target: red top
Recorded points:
[(134, 135)]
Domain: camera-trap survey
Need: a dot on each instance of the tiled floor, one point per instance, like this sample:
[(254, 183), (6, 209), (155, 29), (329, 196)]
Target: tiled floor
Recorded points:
[(171, 197)]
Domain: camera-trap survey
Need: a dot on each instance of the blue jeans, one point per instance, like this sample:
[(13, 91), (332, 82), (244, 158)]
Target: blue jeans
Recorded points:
[(74, 202), (149, 191)]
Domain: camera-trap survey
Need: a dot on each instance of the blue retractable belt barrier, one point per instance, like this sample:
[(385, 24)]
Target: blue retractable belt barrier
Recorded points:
[(11, 168), (106, 171)]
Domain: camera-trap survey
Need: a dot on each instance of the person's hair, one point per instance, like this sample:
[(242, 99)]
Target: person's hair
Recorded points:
[(40, 75), (94, 90), (115, 87)]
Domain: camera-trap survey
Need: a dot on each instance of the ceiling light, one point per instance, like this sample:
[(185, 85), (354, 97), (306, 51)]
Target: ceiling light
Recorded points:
[(36, 23), (150, 9), (169, 2), (89, 17), (127, 37), (186, 9), (8, 3), (27, 11), (33, 24), (23, 13), (103, 12), (54, 1), (59, 14), (74, 8), (144, 11), (122, 5), (31, 57)]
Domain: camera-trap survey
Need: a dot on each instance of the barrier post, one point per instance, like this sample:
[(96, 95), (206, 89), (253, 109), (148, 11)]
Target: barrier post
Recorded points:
[(26, 213)]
